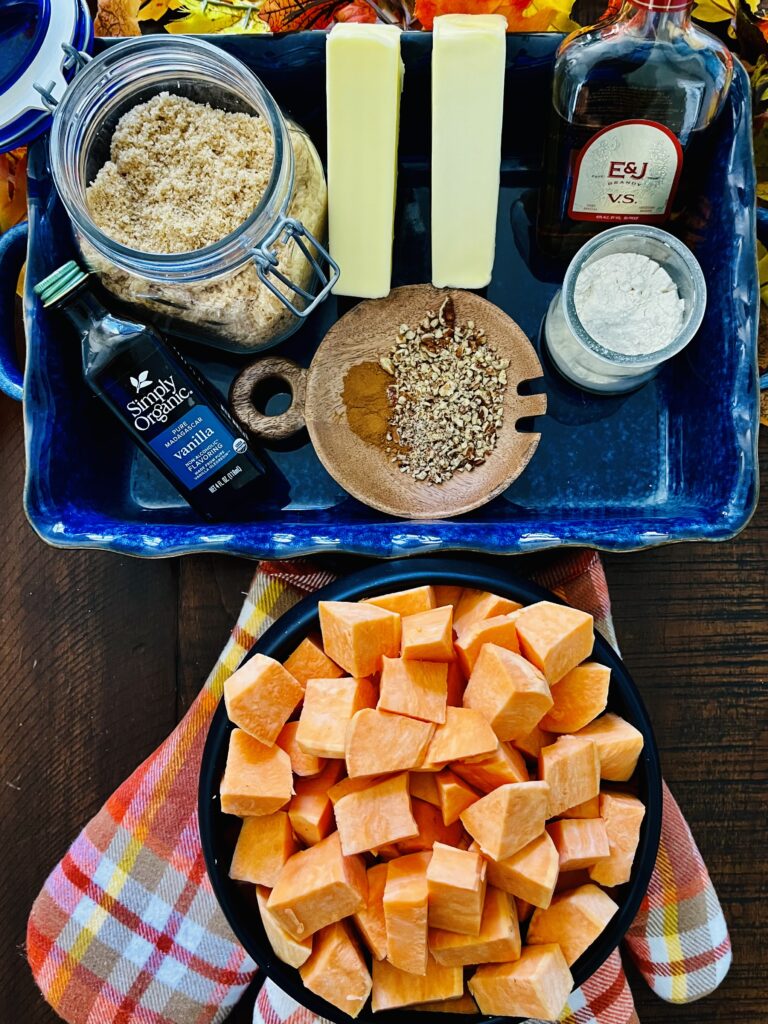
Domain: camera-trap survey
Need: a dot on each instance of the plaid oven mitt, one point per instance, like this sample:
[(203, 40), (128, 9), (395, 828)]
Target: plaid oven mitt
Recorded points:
[(127, 929)]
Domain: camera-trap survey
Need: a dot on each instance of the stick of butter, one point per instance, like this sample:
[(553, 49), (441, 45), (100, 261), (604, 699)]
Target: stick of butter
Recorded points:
[(468, 58), (364, 78)]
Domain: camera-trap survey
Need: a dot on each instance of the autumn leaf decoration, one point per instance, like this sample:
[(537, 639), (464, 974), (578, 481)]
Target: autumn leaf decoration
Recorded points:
[(249, 16), (714, 11), (193, 17), (13, 188), (246, 16), (299, 15), (521, 15)]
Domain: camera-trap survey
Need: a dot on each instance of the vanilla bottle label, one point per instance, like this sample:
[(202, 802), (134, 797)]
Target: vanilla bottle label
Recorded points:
[(197, 444), (627, 172)]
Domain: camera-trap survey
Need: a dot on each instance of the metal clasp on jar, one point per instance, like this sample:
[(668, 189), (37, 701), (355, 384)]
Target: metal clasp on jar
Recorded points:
[(267, 265), (74, 59)]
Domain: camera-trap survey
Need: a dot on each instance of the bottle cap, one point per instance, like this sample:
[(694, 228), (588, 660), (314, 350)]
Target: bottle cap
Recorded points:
[(662, 6), (61, 282)]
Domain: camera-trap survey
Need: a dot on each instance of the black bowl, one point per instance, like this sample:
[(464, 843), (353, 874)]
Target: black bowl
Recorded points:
[(219, 831)]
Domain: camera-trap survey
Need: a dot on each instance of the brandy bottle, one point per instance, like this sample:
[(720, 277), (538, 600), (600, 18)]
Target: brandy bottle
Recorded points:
[(632, 101)]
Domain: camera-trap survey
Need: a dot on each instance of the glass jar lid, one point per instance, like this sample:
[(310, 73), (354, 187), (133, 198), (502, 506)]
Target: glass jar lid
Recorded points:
[(39, 44)]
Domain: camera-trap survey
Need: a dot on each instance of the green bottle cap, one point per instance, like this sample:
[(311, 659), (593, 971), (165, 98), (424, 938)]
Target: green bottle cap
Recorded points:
[(60, 283)]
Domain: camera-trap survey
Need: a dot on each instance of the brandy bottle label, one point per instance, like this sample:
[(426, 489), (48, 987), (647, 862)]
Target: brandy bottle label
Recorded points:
[(627, 172)]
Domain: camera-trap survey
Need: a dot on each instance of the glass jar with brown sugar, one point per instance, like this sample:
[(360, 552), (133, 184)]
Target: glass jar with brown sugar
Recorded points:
[(190, 193)]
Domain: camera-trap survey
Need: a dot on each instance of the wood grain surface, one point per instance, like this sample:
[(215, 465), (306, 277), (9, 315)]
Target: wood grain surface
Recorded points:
[(243, 397), (100, 655)]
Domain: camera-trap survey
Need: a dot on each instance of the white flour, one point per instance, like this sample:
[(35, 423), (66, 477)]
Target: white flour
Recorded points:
[(628, 303)]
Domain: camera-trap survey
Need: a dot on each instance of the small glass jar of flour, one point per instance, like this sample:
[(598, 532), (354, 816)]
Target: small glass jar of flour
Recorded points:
[(632, 298)]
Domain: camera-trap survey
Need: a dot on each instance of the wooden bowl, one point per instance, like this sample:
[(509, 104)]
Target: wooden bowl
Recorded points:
[(363, 469)]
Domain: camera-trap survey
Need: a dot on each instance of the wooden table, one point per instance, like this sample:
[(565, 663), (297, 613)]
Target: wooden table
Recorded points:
[(100, 656)]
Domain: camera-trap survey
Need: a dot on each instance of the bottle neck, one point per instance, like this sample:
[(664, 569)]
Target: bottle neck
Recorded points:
[(651, 18), (83, 308)]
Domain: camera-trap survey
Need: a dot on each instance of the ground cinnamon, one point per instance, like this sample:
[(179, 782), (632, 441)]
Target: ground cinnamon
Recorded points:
[(365, 399)]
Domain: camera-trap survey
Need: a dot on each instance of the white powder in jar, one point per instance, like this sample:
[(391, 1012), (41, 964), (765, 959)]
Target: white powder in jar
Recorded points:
[(628, 303), (181, 176)]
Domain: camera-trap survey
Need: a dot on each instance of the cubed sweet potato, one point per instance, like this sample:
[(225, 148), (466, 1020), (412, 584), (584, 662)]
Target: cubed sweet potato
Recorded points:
[(261, 696), (571, 880), (389, 852), (555, 637), (406, 602), (537, 985), (456, 684), (424, 787), (531, 744), (500, 630), (623, 815), (309, 661), (376, 816), (524, 909), (329, 704), (508, 818), (465, 733), (447, 595), (311, 816), (357, 636), (428, 636), (379, 743), (263, 847), (393, 988), (406, 900), (336, 970), (303, 764), (476, 605), (571, 766), (346, 785), (311, 810), (463, 1004), (456, 883), (291, 951), (318, 886), (432, 828), (498, 940), (619, 746), (579, 697), (418, 689), (509, 692), (504, 765), (370, 920), (257, 779), (580, 842), (455, 795), (587, 809), (573, 920), (530, 874)]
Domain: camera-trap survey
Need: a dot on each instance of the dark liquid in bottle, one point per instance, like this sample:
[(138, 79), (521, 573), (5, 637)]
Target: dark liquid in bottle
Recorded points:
[(171, 413), (665, 84)]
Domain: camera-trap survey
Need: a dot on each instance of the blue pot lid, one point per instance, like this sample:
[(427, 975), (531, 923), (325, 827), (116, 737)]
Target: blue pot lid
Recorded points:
[(32, 33)]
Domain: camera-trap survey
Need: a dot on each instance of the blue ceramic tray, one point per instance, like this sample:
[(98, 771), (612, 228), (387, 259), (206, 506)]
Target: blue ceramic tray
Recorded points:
[(673, 461)]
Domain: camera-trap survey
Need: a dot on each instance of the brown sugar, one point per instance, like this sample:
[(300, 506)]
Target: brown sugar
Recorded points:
[(182, 176)]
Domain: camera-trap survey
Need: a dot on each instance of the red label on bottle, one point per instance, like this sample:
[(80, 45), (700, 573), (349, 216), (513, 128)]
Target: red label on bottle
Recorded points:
[(627, 172)]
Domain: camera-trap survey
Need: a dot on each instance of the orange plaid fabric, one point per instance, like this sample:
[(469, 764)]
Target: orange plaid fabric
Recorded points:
[(127, 929)]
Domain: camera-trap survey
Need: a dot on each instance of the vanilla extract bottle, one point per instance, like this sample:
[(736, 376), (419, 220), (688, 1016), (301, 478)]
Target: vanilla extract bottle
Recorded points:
[(171, 413), (632, 101)]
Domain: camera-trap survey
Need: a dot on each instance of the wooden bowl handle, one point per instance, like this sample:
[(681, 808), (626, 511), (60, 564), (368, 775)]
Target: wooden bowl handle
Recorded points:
[(269, 428)]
